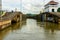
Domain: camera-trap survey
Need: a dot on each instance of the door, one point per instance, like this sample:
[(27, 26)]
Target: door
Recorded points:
[(52, 10)]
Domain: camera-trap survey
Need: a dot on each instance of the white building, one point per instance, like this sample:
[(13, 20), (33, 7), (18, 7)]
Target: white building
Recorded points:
[(52, 6), (0, 4)]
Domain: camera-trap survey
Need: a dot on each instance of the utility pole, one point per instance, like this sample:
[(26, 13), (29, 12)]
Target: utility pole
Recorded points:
[(43, 5), (0, 5), (21, 5)]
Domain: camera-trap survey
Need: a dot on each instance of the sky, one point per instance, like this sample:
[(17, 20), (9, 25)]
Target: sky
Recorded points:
[(25, 6)]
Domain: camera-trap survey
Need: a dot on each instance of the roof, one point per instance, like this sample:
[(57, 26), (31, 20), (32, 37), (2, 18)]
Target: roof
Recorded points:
[(51, 3)]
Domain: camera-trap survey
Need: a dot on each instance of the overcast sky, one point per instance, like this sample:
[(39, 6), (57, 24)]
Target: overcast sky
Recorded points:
[(27, 6)]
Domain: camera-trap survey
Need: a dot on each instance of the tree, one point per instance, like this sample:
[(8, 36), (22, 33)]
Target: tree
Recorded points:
[(58, 10)]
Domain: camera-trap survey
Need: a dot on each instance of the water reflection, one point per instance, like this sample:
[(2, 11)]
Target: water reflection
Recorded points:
[(9, 30), (52, 27), (31, 30), (31, 26)]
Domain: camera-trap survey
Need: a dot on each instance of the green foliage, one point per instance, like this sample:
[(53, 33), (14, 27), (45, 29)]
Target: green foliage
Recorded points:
[(31, 14), (1, 12), (58, 10)]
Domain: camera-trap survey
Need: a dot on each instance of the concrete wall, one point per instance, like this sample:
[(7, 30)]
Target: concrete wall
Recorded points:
[(5, 22), (49, 8), (55, 9)]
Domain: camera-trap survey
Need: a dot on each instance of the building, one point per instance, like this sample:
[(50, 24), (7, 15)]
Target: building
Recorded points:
[(51, 6), (51, 13), (0, 4)]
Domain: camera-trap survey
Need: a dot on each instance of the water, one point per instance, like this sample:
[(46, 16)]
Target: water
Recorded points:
[(31, 30)]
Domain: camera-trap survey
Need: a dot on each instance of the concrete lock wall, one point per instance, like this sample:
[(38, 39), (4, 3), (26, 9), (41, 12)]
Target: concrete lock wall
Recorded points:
[(4, 24)]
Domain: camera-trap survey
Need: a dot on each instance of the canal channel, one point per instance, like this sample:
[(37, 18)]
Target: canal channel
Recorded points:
[(31, 29)]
